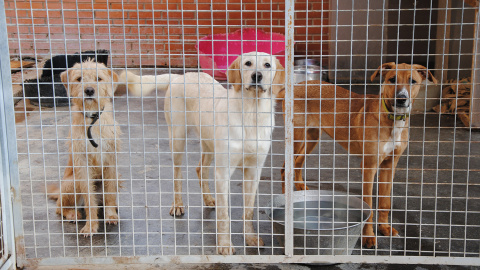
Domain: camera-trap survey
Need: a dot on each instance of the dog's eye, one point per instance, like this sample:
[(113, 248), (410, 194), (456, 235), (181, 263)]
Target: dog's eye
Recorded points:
[(79, 79), (99, 79), (248, 63), (413, 81), (392, 80), (267, 65)]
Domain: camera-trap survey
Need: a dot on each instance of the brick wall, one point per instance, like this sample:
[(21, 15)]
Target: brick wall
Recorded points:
[(142, 33)]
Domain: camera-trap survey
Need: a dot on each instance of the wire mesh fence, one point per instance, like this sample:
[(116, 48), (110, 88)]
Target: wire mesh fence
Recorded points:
[(108, 151)]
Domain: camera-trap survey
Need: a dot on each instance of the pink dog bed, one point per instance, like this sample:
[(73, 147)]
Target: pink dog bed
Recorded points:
[(238, 42)]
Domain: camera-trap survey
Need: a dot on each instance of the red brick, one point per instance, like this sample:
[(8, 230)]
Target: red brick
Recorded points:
[(99, 6), (54, 13), (28, 5), (320, 5), (243, 15), (195, 7), (140, 14), (259, 6), (124, 6), (78, 14), (164, 7), (209, 15), (36, 21)]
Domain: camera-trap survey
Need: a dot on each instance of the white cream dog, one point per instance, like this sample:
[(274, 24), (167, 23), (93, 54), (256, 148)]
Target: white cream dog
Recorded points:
[(234, 126)]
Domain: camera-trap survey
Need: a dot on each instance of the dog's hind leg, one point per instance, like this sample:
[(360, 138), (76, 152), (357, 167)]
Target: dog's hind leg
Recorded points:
[(110, 186), (203, 172), (297, 145), (67, 200), (311, 141), (387, 172), (369, 167), (177, 145)]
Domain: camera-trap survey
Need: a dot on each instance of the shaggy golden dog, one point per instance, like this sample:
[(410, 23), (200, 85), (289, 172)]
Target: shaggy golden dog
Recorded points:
[(92, 145)]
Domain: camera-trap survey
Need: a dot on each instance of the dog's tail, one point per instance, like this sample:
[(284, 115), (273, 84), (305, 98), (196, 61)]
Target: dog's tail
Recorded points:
[(144, 85), (53, 191)]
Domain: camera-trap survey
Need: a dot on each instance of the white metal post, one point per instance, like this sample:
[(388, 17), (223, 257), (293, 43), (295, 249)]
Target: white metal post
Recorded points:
[(10, 192)]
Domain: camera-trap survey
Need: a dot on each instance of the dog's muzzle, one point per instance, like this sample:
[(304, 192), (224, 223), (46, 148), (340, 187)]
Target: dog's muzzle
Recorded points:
[(402, 99), (89, 92), (256, 82)]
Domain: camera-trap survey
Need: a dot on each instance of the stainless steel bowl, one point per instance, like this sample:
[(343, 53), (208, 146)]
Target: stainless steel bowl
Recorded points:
[(307, 73), (325, 222), (306, 62), (309, 70)]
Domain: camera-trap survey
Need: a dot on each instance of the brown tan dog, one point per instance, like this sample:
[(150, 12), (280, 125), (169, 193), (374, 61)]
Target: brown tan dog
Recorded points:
[(364, 125), (93, 143)]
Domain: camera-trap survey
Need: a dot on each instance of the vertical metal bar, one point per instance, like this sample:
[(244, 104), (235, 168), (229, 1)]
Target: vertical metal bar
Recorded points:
[(475, 102), (289, 79), (11, 201)]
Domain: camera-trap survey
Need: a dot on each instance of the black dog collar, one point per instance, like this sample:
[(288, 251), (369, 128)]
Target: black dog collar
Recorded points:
[(94, 118)]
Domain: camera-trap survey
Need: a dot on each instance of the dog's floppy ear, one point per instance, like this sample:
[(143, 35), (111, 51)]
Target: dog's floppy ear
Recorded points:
[(279, 79), (65, 76), (114, 77), (234, 74), (383, 68), (426, 75)]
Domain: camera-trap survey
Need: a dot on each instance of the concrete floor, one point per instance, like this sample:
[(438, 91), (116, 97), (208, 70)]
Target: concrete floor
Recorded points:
[(436, 202)]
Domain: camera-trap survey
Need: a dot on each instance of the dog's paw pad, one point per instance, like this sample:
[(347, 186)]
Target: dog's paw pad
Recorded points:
[(301, 187), (369, 241), (209, 201), (177, 211), (112, 219), (254, 241), (388, 230), (89, 229), (71, 215), (226, 250)]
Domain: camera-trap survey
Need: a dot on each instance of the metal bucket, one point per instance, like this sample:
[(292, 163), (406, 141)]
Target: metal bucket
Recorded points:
[(309, 70), (325, 222)]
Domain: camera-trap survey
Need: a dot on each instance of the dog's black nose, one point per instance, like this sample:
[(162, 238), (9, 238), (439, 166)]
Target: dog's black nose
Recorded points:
[(89, 91), (257, 77), (401, 100)]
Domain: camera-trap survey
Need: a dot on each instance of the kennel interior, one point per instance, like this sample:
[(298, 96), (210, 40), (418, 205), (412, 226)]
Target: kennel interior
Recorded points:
[(435, 202)]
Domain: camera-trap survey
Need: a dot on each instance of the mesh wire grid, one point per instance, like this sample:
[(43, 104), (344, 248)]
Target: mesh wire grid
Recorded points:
[(435, 185)]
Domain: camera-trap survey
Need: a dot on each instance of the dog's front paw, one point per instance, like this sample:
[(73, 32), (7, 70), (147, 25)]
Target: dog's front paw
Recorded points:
[(177, 210), (387, 230), (301, 186), (369, 241), (69, 214), (254, 240), (225, 248), (209, 200), (111, 218), (89, 229), (368, 236), (224, 245)]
